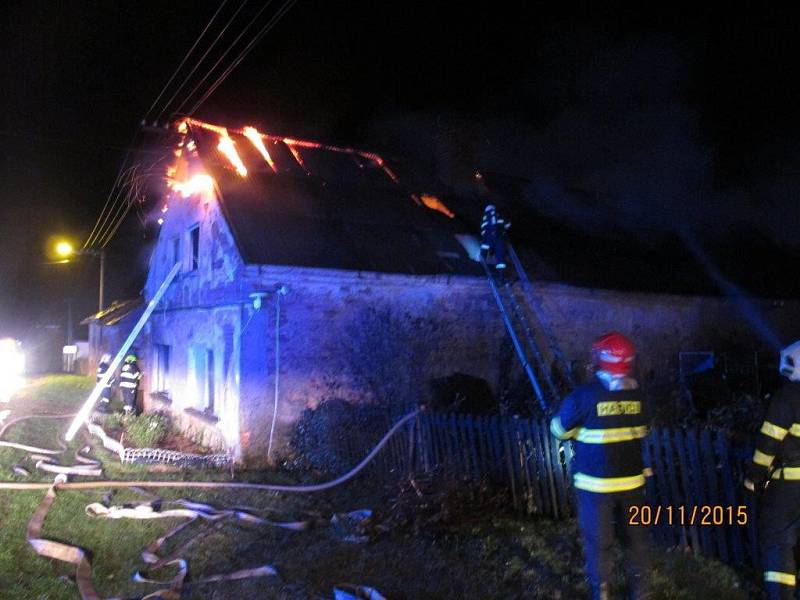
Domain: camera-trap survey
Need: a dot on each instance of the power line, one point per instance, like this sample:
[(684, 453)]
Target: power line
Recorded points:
[(131, 195), (202, 58), (270, 24), (222, 57), (101, 220), (109, 217), (114, 212), (185, 58)]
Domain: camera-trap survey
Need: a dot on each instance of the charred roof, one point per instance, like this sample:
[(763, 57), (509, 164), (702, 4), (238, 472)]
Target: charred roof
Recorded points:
[(291, 202)]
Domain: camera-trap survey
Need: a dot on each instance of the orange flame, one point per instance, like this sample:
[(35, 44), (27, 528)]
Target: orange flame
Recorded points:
[(197, 184), (228, 148), (434, 203), (252, 134), (290, 144)]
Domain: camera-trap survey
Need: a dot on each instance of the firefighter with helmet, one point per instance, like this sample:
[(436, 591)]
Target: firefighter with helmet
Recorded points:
[(129, 377), (105, 396), (607, 419), (493, 236), (775, 470)]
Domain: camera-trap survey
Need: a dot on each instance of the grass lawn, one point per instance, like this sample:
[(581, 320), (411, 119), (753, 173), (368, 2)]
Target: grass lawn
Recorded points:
[(481, 555)]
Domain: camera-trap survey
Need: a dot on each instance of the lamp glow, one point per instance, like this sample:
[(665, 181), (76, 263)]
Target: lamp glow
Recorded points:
[(64, 249)]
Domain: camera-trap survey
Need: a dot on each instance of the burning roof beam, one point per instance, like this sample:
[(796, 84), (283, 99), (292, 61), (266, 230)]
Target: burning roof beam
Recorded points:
[(228, 148), (257, 139)]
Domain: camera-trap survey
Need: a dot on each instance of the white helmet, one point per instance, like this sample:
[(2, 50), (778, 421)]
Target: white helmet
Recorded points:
[(790, 361), (106, 358), (489, 207)]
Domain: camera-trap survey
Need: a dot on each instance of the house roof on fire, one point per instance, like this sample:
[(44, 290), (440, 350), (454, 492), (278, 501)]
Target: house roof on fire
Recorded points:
[(309, 204), (321, 206)]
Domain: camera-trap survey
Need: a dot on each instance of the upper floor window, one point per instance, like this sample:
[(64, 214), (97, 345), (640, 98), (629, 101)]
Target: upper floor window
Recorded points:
[(176, 250), (194, 244)]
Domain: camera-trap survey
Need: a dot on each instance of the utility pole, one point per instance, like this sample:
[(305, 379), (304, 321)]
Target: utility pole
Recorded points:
[(69, 321)]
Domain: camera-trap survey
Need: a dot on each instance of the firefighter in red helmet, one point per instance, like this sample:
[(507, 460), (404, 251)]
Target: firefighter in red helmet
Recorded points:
[(607, 419)]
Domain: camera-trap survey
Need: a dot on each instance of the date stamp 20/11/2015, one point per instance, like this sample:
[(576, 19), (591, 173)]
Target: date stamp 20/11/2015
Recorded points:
[(703, 515)]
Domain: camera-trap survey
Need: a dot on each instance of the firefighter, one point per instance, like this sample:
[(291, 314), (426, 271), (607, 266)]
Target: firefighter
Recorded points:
[(105, 396), (776, 465), (129, 382), (607, 419), (493, 236)]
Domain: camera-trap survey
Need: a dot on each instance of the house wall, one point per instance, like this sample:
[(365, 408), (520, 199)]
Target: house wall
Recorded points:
[(661, 325), (211, 308), (321, 307), (441, 325)]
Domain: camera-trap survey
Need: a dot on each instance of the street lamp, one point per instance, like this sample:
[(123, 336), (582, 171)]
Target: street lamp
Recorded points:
[(66, 251)]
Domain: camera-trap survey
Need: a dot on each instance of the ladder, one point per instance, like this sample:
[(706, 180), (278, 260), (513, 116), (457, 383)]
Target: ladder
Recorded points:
[(523, 318)]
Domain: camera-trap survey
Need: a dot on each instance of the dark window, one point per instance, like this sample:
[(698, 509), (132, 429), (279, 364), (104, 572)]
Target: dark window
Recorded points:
[(176, 250), (194, 237), (161, 378)]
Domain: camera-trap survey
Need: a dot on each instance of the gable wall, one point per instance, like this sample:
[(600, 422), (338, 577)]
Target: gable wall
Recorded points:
[(200, 312)]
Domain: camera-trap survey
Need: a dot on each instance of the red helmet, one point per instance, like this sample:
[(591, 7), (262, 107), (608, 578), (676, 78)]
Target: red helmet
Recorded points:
[(614, 353)]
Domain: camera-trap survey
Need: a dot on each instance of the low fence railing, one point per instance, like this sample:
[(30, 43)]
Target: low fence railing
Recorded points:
[(693, 498)]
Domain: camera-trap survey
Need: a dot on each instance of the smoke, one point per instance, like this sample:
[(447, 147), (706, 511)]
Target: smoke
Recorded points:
[(611, 138)]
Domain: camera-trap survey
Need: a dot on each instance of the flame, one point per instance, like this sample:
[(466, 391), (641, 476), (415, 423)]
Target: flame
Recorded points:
[(252, 134), (290, 144), (382, 164), (199, 183), (228, 148), (434, 203)]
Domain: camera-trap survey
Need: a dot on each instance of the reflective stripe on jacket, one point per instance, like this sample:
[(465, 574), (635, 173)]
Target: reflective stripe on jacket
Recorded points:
[(129, 375), (607, 428), (778, 441)]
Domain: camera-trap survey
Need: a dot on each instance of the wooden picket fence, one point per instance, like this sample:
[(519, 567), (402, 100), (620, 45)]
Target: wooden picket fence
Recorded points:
[(693, 467)]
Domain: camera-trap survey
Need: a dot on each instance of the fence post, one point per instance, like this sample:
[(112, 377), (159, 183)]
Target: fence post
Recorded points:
[(690, 502), (714, 498)]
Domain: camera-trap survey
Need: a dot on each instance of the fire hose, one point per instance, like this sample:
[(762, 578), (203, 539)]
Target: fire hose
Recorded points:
[(193, 511)]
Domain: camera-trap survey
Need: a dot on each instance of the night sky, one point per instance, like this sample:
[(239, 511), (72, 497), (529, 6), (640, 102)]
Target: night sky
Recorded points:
[(681, 119)]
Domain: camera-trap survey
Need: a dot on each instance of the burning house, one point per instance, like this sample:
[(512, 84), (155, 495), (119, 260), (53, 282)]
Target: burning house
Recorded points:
[(285, 245), (311, 272)]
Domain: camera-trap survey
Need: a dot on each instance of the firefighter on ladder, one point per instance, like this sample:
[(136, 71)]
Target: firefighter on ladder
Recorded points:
[(493, 236), (129, 377), (607, 420), (105, 396), (776, 465)]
